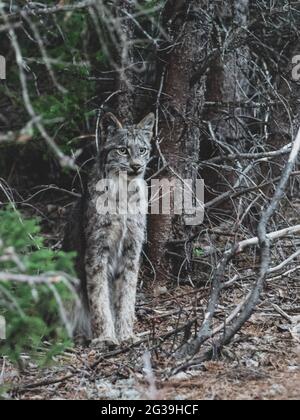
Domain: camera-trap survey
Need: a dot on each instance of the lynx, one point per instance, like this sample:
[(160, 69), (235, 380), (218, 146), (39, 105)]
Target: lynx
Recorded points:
[(109, 245)]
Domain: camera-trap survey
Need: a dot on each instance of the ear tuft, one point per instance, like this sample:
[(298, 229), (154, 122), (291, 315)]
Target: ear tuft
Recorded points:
[(147, 123), (109, 125)]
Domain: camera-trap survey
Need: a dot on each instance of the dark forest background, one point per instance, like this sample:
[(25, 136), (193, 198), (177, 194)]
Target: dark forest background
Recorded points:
[(219, 77)]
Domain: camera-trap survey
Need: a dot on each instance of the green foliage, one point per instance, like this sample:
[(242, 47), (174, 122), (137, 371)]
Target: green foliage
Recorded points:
[(70, 112), (31, 311), (151, 9), (150, 4), (198, 252), (67, 109)]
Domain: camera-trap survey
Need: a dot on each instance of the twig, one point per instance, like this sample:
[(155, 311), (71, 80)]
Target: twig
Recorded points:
[(64, 160), (27, 387), (270, 236), (284, 263), (22, 278), (34, 9), (282, 313)]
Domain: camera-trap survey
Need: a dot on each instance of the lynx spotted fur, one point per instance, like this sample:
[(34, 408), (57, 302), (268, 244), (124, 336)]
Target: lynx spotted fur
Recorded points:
[(109, 245)]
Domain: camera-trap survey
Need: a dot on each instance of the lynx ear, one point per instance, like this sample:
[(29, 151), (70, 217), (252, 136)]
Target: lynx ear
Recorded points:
[(147, 123), (109, 125)]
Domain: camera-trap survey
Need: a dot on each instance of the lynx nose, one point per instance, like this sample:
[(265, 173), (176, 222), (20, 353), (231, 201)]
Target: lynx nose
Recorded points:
[(136, 167)]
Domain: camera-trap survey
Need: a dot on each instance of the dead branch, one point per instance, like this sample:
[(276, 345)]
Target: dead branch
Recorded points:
[(252, 300), (64, 160), (292, 230), (23, 278), (28, 387), (283, 151), (33, 8)]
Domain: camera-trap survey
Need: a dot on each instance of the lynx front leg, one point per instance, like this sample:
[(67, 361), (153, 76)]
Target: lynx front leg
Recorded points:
[(101, 305), (125, 294), (125, 304)]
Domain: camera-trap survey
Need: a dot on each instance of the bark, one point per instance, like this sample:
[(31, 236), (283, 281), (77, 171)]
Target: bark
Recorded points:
[(127, 61), (135, 70), (228, 86), (189, 25)]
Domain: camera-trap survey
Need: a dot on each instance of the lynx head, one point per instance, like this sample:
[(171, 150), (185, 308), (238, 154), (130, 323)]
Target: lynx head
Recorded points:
[(126, 149)]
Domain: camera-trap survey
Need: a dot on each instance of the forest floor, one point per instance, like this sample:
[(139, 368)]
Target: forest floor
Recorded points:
[(262, 362)]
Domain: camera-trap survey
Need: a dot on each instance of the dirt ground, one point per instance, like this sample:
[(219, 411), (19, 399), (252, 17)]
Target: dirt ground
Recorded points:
[(262, 363)]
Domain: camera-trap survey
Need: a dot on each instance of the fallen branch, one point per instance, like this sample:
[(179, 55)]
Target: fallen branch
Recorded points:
[(28, 387), (284, 263), (241, 246), (272, 270), (285, 274), (270, 236)]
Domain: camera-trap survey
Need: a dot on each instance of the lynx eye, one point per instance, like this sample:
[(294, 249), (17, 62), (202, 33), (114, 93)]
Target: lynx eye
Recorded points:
[(143, 150), (123, 151)]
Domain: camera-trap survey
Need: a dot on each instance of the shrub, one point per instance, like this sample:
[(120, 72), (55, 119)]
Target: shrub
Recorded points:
[(35, 294)]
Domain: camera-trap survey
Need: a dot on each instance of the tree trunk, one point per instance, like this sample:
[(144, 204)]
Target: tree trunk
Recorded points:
[(189, 25), (126, 58), (227, 88), (134, 99)]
